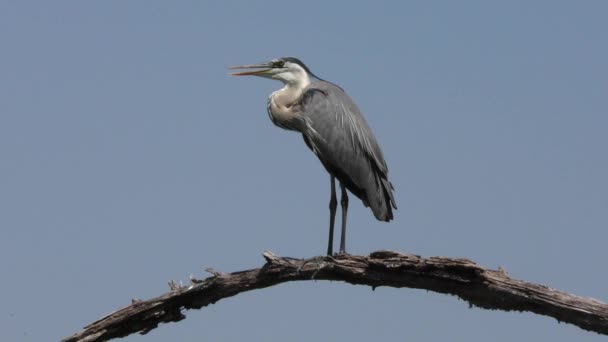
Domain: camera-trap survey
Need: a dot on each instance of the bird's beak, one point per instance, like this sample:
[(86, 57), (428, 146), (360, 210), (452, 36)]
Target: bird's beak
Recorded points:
[(264, 68)]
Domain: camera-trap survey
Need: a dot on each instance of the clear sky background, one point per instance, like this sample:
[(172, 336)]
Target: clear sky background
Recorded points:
[(129, 158)]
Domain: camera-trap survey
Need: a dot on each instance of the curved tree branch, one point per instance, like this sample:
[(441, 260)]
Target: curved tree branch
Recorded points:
[(484, 288)]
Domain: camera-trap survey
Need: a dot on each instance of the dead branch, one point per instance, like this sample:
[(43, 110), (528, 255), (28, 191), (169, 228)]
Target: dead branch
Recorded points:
[(481, 287)]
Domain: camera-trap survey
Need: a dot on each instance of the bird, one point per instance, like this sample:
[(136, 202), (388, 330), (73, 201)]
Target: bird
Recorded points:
[(335, 130)]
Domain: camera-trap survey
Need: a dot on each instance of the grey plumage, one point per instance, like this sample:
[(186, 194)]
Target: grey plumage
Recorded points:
[(342, 140), (336, 131)]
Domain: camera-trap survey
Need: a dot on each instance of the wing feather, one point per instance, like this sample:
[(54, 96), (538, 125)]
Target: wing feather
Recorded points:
[(341, 138)]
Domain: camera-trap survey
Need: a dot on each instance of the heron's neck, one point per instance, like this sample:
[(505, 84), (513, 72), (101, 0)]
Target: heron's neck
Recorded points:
[(291, 91), (281, 105)]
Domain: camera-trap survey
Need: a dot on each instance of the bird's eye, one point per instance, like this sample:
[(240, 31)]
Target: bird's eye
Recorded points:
[(278, 64)]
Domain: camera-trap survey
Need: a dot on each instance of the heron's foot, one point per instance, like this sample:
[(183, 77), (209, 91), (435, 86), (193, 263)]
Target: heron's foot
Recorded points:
[(319, 262), (341, 253), (329, 258), (306, 262), (314, 260)]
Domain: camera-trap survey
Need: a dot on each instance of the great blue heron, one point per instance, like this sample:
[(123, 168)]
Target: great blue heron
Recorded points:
[(335, 130)]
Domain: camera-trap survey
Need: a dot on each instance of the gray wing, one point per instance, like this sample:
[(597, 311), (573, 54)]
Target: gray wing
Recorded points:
[(342, 140)]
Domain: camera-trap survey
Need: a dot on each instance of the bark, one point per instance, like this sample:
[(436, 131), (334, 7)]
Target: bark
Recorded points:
[(481, 287)]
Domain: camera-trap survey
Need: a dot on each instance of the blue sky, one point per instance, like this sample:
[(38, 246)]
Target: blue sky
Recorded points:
[(129, 158)]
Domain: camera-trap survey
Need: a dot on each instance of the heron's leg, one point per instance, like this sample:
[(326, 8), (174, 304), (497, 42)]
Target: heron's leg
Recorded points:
[(333, 204), (344, 204)]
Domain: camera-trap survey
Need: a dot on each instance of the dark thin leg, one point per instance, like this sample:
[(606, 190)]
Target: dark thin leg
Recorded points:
[(333, 204), (344, 204)]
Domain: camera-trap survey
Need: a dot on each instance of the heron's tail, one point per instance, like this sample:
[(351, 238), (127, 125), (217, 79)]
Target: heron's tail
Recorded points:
[(383, 202)]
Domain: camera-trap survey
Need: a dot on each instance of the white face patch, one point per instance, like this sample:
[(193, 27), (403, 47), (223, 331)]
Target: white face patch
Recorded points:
[(292, 75)]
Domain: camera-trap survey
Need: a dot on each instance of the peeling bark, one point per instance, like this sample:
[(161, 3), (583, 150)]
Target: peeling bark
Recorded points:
[(481, 287)]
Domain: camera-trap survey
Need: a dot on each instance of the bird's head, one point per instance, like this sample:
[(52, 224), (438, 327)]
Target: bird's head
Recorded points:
[(289, 70)]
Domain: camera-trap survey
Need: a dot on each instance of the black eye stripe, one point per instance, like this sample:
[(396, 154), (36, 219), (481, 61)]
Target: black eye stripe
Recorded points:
[(278, 64)]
